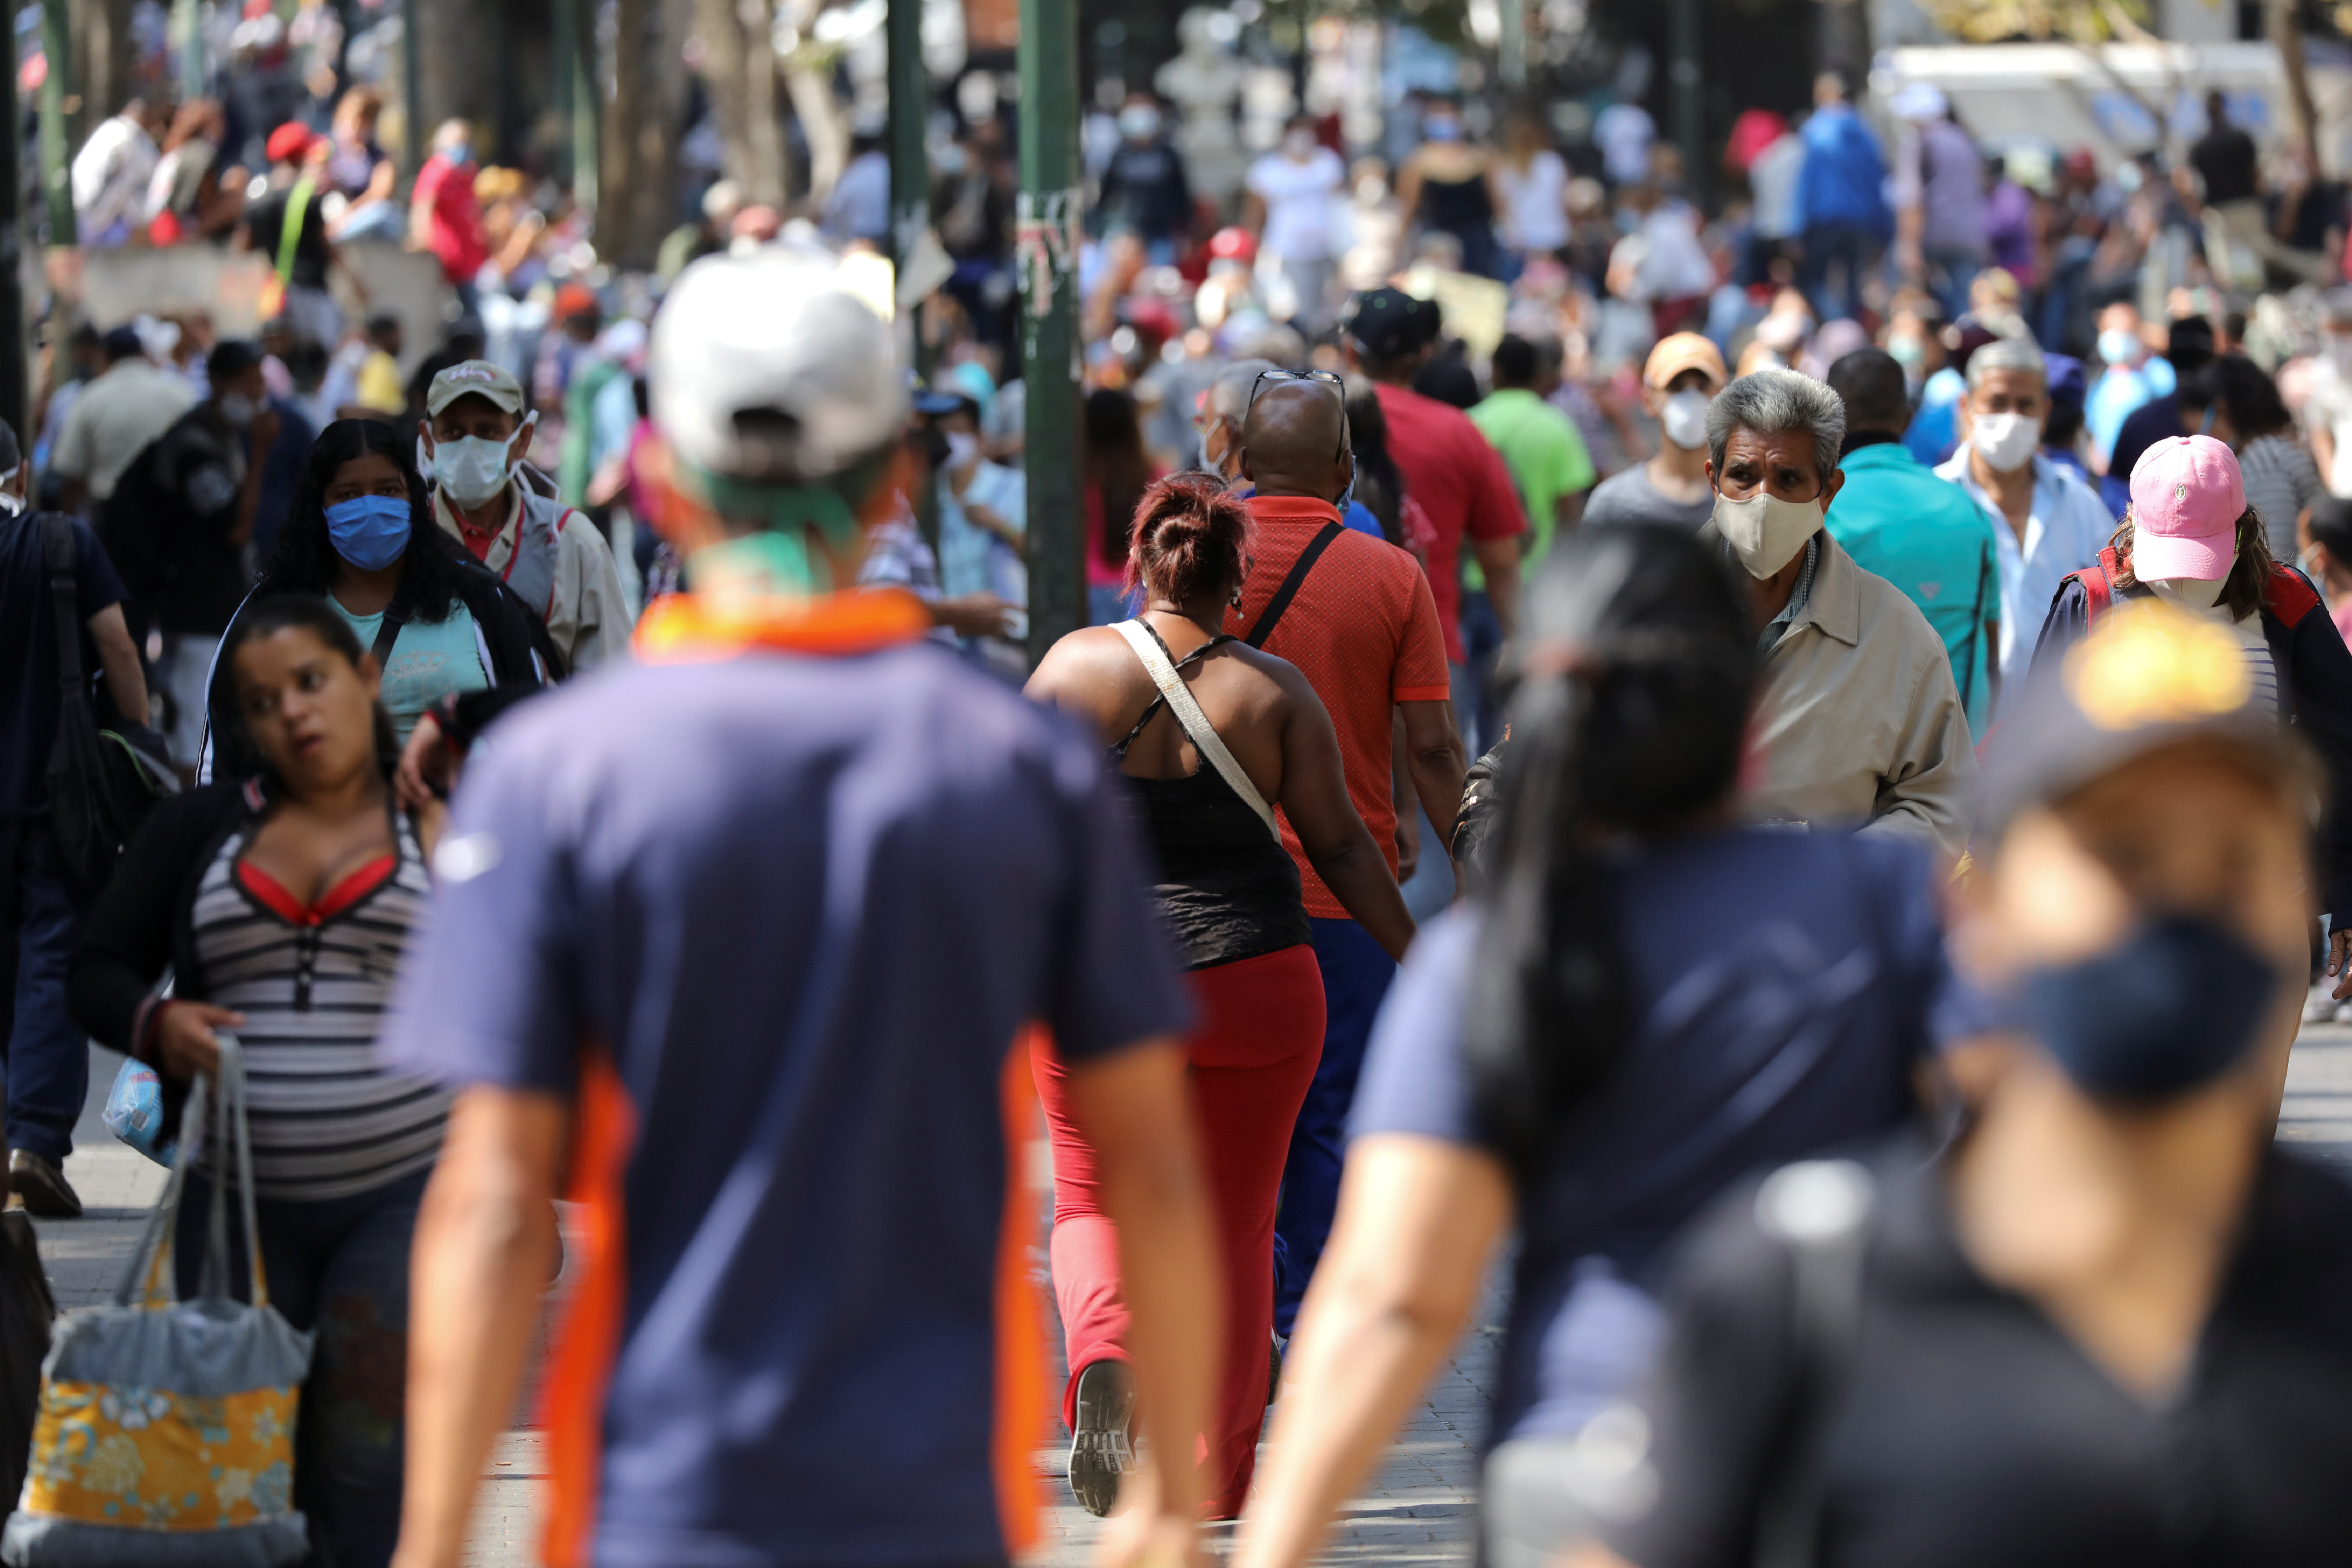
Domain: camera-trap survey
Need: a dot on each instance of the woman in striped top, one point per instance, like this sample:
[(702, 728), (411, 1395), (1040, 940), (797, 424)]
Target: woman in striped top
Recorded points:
[(282, 906)]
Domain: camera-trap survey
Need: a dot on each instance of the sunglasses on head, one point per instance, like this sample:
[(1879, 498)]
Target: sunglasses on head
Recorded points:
[(1329, 378)]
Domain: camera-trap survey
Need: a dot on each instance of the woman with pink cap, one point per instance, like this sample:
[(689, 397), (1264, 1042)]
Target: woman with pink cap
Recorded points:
[(2190, 538)]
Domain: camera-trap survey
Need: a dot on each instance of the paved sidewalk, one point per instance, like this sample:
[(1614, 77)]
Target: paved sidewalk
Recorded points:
[(1419, 1510)]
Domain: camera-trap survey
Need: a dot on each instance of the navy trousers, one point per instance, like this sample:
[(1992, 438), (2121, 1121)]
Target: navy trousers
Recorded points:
[(46, 1054), (1356, 975)]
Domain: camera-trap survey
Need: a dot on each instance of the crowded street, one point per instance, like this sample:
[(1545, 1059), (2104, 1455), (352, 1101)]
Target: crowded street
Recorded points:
[(1012, 784)]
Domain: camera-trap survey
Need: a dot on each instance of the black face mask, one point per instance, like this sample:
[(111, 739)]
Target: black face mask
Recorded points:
[(2168, 1011)]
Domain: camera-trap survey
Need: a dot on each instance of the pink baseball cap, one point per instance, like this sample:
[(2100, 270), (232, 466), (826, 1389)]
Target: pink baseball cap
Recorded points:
[(2187, 495)]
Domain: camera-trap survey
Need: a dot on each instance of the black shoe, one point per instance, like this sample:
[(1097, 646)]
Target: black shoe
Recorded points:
[(1274, 1371), (1100, 1448), (46, 1193)]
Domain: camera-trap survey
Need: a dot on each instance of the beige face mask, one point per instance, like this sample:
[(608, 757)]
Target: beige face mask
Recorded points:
[(1765, 532)]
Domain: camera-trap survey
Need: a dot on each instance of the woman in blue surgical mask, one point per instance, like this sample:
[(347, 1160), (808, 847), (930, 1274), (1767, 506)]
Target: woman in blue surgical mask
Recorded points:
[(2108, 1294), (436, 621)]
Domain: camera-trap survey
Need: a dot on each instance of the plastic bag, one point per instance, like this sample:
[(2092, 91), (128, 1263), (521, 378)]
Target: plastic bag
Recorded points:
[(134, 1112)]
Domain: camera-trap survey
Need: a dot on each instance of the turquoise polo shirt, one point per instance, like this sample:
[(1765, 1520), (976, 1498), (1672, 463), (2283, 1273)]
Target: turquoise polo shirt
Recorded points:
[(1924, 535)]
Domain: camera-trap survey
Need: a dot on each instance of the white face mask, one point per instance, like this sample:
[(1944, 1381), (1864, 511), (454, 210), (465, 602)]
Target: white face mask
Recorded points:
[(1684, 419), (2005, 441), (1299, 145), (1765, 532), (2339, 352), (963, 447), (10, 502), (471, 469), (238, 409), (2189, 593)]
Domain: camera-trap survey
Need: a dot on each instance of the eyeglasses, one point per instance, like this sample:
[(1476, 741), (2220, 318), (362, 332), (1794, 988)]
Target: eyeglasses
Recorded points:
[(1329, 378)]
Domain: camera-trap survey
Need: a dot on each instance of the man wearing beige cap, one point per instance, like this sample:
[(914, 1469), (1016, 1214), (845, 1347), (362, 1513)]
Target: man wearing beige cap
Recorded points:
[(1684, 373), (473, 431)]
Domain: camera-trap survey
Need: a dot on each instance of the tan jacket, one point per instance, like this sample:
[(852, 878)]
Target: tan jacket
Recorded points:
[(581, 602), (1859, 721)]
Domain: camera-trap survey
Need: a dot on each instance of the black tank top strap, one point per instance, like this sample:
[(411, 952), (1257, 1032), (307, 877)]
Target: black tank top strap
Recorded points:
[(1119, 752)]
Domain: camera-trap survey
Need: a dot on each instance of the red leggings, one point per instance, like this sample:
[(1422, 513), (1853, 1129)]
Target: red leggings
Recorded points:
[(1250, 1060)]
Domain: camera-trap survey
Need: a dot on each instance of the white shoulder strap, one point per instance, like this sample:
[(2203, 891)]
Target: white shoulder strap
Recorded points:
[(1196, 723)]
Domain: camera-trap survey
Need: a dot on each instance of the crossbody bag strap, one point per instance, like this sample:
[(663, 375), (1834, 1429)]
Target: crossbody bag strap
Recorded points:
[(395, 617), (1289, 589), (58, 555), (1196, 723), (289, 234)]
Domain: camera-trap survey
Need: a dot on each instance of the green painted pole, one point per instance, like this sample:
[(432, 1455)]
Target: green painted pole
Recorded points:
[(910, 165), (1046, 252), (412, 88), (57, 158), (188, 26), (14, 370), (586, 153), (563, 49)]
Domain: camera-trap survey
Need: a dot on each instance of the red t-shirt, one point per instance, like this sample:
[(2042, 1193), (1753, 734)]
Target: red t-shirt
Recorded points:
[(1460, 481), (1362, 629), (455, 231)]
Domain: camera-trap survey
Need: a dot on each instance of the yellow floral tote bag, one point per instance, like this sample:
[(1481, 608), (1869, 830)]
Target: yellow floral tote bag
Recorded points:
[(166, 1435)]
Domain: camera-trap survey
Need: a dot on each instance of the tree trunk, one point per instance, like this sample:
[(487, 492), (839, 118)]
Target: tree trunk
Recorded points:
[(2283, 23), (456, 76), (640, 146), (741, 72), (102, 55), (763, 132)]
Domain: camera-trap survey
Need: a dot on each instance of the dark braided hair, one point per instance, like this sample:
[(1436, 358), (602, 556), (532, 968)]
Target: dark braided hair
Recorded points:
[(305, 559), (1629, 717)]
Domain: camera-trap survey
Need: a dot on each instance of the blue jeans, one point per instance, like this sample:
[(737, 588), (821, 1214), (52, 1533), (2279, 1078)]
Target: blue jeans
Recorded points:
[(1825, 243), (338, 1268), (46, 1054), (1356, 975)]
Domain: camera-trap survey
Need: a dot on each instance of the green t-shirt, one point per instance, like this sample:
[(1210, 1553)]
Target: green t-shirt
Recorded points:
[(1546, 456), (429, 660)]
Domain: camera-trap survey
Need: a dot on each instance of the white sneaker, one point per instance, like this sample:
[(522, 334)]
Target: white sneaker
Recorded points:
[(2322, 1007)]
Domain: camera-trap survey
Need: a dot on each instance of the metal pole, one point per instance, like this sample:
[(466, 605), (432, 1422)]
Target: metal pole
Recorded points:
[(587, 82), (1513, 64), (1682, 75), (412, 91), (13, 377), (56, 161), (563, 48), (910, 169), (188, 22), (1046, 252)]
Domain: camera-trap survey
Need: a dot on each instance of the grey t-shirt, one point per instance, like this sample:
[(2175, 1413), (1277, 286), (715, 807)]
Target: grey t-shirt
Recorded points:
[(1630, 497)]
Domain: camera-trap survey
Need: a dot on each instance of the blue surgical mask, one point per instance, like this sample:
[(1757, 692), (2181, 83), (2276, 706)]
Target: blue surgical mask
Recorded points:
[(2118, 346), (2172, 1008), (369, 531), (1442, 128)]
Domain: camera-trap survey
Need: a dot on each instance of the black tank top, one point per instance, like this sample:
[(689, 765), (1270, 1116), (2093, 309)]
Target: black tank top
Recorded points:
[(1457, 206), (1227, 887)]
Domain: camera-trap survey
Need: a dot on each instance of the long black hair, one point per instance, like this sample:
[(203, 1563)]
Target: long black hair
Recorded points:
[(304, 561), (1634, 684), (1378, 484), (302, 612)]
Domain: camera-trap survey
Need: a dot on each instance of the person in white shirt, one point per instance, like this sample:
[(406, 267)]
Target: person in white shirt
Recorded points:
[(1624, 132), (115, 418), (1534, 182), (1292, 194), (111, 175), (2046, 523), (2328, 407)]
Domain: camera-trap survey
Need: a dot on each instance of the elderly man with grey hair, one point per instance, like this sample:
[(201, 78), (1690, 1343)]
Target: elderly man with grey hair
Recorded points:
[(1859, 723), (1222, 408), (2045, 523)]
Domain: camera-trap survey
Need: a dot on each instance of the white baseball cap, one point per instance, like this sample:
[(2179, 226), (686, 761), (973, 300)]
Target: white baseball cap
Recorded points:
[(769, 368)]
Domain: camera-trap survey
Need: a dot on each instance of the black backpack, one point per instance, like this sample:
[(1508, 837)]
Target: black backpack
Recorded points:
[(101, 784)]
